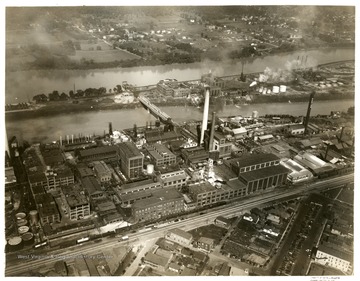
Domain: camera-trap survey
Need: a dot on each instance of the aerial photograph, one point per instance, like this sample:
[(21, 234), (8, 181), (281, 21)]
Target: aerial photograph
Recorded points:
[(189, 140)]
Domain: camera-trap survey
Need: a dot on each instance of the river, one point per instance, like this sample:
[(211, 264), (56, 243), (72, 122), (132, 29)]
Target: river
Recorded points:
[(47, 129), (21, 86)]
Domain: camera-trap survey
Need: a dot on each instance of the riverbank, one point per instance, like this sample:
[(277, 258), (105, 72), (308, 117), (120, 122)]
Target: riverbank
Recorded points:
[(67, 107)]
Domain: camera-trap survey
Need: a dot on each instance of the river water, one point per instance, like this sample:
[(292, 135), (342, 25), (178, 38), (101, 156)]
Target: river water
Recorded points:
[(47, 129), (21, 86)]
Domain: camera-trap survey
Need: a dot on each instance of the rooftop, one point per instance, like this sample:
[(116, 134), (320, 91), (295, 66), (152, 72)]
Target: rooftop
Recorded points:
[(46, 204), (100, 167), (264, 173), (97, 150), (129, 149), (156, 259), (91, 184), (138, 185), (181, 233), (74, 195), (253, 159), (159, 196), (336, 252)]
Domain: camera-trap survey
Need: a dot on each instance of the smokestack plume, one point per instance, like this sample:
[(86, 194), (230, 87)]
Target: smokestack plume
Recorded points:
[(311, 100), (205, 114), (212, 130)]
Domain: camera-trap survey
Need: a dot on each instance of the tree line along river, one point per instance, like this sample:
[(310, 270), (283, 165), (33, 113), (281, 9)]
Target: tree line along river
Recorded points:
[(23, 85)]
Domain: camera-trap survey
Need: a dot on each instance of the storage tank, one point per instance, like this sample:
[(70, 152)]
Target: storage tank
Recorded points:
[(261, 89), (20, 216), (255, 114), (264, 91), (282, 88), (34, 217), (21, 222), (150, 169), (276, 89), (28, 238), (269, 91), (23, 229), (15, 244)]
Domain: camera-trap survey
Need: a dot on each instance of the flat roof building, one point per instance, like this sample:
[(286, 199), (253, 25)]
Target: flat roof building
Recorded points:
[(160, 154), (77, 204), (162, 203), (131, 160), (47, 208), (104, 153), (102, 171)]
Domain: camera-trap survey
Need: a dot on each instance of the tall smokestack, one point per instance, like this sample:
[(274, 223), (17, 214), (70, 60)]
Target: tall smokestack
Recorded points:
[(60, 141), (205, 114), (212, 130), (110, 129), (7, 150), (67, 138), (306, 123), (327, 150), (72, 138), (341, 134)]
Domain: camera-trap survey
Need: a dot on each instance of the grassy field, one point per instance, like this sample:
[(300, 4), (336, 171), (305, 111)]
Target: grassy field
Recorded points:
[(106, 54)]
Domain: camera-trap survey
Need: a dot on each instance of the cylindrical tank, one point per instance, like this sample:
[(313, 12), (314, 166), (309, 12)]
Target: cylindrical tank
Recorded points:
[(261, 89), (264, 91), (150, 169), (28, 238), (23, 229), (276, 89), (255, 114), (268, 91), (282, 88), (34, 217), (20, 216), (21, 222), (15, 244)]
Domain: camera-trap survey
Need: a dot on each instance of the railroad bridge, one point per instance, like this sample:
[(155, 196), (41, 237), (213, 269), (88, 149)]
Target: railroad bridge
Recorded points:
[(157, 112)]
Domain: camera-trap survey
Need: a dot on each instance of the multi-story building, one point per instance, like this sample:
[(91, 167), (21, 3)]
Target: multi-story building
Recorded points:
[(334, 258), (259, 171), (102, 171), (179, 236), (222, 145), (77, 204), (164, 89), (205, 243), (162, 203), (131, 160), (46, 172), (47, 208), (160, 154), (176, 179), (207, 194), (131, 192), (194, 155)]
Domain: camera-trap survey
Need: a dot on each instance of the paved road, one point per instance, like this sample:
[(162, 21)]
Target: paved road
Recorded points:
[(17, 266)]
